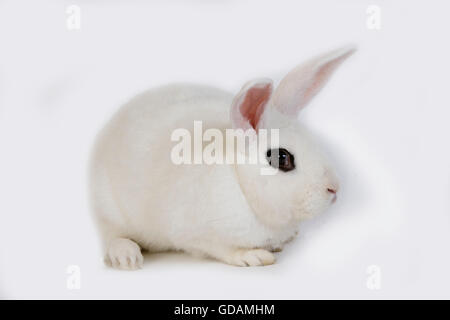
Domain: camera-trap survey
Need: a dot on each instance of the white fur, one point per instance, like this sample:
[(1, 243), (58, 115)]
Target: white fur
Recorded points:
[(228, 212)]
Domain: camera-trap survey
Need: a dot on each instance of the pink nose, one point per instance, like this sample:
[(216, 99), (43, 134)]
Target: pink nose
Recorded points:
[(331, 190)]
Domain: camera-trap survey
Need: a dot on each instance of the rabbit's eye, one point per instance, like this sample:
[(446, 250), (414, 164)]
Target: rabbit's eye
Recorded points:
[(281, 159)]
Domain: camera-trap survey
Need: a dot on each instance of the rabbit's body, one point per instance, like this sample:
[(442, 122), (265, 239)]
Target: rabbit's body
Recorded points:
[(163, 206), (142, 199)]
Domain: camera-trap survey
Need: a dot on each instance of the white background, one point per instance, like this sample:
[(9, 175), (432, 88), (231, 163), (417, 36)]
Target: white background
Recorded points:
[(384, 114)]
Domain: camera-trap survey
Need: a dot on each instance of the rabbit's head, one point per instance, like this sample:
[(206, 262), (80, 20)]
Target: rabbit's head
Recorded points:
[(304, 184)]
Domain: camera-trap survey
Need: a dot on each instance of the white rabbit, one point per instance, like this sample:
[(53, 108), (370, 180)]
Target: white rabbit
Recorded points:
[(229, 212)]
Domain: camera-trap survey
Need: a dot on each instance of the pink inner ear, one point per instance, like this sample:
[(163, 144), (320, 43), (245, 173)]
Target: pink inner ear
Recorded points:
[(254, 102), (320, 79)]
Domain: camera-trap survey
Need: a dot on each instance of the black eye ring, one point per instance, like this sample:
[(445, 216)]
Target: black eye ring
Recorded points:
[(281, 159)]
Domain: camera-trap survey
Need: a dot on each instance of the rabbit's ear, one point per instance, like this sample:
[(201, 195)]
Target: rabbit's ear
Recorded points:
[(300, 85), (250, 103)]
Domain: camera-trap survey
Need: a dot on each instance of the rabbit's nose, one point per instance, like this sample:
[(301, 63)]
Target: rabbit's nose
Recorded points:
[(332, 190)]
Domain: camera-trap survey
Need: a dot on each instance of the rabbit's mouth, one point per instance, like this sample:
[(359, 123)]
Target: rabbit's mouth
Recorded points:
[(333, 199), (307, 208)]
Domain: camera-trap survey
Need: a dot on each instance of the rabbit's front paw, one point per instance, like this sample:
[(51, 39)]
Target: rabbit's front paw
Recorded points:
[(124, 254), (252, 258), (275, 248)]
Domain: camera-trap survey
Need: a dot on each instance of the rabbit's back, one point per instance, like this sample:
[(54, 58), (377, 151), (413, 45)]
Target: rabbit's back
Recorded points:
[(135, 183)]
